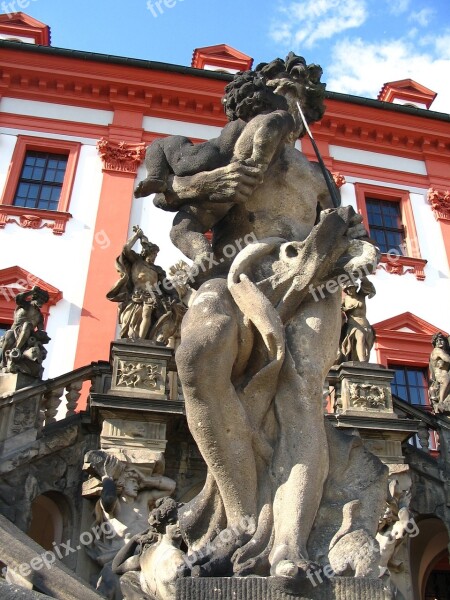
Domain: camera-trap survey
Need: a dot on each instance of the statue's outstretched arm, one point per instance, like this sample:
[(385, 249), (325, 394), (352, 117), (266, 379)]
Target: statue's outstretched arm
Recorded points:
[(233, 183)]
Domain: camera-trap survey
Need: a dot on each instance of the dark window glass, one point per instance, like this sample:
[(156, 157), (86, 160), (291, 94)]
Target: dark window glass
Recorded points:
[(41, 180), (385, 225), (410, 384), (4, 328)]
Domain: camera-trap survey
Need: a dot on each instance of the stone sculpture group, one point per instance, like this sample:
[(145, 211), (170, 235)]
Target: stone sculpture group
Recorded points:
[(284, 492)]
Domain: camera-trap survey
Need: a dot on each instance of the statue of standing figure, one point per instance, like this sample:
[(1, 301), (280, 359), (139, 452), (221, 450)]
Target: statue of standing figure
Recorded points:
[(22, 347), (357, 334), (439, 389), (256, 344), (149, 309)]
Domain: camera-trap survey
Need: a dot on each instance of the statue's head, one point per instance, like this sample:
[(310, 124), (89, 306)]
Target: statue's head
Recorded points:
[(129, 483), (164, 514), (351, 289), (149, 251), (39, 297), (277, 85), (440, 341)]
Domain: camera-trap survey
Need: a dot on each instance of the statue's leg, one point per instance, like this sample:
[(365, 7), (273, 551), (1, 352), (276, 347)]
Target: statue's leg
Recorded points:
[(25, 332), (302, 458), (205, 358), (187, 235), (9, 341), (158, 170)]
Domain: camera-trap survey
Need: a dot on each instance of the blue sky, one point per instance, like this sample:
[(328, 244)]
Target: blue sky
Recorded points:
[(360, 44)]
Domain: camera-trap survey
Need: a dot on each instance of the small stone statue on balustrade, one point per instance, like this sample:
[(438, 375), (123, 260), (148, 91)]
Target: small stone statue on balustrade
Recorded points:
[(439, 389), (22, 347), (357, 335), (147, 305)]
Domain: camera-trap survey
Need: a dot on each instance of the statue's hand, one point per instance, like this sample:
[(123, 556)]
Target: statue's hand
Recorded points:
[(233, 183), (110, 466), (356, 228), (138, 231)]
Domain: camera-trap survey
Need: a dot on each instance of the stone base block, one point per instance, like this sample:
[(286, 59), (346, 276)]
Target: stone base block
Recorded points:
[(273, 588), (11, 382)]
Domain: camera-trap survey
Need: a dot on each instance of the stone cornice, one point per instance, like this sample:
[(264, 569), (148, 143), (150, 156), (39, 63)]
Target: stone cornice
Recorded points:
[(181, 93), (367, 129)]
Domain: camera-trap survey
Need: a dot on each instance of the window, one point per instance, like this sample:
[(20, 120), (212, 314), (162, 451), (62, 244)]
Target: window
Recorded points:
[(41, 180), (385, 225), (388, 217), (4, 328), (39, 184), (410, 384)]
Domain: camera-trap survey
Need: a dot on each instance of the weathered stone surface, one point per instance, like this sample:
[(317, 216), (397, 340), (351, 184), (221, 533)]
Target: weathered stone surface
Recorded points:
[(260, 588), (10, 382), (58, 581), (14, 592)]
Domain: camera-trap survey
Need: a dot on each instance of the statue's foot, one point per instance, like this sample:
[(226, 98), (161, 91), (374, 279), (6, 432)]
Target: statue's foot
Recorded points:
[(149, 186), (216, 560), (290, 576)]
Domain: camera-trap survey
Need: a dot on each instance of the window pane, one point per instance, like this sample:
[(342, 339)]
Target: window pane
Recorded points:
[(41, 167), (410, 384)]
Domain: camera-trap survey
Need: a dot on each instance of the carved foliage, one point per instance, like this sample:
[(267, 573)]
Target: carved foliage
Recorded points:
[(368, 396), (440, 203), (339, 179), (139, 375), (24, 417), (120, 156), (40, 220), (401, 265)]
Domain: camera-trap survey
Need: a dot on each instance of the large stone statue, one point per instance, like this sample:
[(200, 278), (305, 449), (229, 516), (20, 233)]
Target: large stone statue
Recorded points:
[(357, 334), (256, 344), (439, 389), (148, 309), (22, 347)]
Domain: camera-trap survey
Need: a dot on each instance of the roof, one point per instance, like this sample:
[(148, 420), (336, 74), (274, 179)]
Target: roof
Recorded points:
[(407, 90), (20, 24), (221, 56), (168, 67)]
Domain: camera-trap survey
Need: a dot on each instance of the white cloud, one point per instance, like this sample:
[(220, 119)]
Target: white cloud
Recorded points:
[(422, 17), (397, 7), (305, 23), (361, 68)]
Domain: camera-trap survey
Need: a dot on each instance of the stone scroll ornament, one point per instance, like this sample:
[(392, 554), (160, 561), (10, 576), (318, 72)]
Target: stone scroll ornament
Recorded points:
[(287, 492), (439, 388), (22, 348)]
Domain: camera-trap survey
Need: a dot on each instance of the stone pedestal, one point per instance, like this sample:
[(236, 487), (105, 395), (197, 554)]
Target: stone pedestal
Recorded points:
[(139, 369), (362, 400), (362, 388), (11, 382), (271, 588)]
